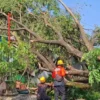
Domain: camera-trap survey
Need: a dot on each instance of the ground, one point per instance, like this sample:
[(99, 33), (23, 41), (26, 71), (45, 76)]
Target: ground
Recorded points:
[(19, 97)]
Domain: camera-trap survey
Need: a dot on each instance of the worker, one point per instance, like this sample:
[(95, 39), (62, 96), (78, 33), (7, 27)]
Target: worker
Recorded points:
[(41, 89), (58, 75)]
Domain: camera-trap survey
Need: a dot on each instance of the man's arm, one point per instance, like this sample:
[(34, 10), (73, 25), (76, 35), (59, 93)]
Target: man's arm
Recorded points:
[(33, 88), (49, 84)]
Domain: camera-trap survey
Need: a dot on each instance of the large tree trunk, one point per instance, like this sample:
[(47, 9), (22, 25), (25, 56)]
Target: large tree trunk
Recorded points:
[(78, 85)]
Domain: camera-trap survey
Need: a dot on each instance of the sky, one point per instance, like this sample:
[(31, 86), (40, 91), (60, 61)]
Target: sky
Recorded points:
[(89, 11)]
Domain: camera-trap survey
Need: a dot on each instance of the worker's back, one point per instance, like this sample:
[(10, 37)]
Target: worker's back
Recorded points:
[(41, 94)]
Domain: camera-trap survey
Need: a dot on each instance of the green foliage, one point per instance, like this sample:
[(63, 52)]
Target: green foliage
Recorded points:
[(35, 5), (62, 23), (15, 59), (12, 5), (76, 93), (97, 36), (35, 22), (93, 65)]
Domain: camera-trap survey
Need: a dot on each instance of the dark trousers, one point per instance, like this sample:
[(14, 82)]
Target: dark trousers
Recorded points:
[(43, 98), (59, 91)]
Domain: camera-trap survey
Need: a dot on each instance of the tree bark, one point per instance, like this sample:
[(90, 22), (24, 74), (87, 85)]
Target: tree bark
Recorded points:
[(78, 72), (79, 79), (78, 85), (71, 49)]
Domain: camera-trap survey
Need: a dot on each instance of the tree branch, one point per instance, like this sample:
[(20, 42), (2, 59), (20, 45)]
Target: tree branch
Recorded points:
[(83, 35), (71, 49), (51, 26), (18, 29), (43, 59), (31, 32), (94, 37), (20, 13), (43, 69), (46, 41), (61, 42)]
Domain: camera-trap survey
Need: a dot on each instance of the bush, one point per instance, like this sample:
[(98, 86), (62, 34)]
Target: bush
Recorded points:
[(76, 93)]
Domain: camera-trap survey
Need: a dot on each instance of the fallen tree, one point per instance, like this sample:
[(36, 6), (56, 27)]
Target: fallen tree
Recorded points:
[(47, 34)]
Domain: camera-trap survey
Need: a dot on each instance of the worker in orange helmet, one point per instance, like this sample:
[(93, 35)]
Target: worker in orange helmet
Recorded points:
[(58, 75)]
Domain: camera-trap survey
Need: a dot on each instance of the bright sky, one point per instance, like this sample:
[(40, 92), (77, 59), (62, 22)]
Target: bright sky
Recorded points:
[(89, 11)]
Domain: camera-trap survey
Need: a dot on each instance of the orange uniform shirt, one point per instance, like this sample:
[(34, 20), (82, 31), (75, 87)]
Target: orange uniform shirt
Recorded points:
[(59, 71)]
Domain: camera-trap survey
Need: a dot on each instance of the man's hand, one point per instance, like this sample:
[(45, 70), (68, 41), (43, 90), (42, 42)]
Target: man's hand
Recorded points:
[(66, 72), (52, 84), (31, 40)]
